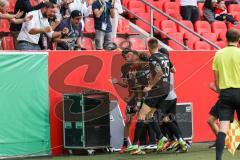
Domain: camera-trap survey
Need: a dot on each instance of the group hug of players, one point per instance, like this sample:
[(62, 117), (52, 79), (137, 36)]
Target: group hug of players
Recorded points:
[(149, 79)]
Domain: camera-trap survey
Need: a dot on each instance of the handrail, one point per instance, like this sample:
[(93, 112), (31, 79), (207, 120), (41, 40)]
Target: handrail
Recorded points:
[(180, 24), (154, 27)]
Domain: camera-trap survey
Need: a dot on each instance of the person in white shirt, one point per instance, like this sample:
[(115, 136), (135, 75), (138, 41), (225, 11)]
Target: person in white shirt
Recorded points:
[(189, 10), (29, 35), (118, 10)]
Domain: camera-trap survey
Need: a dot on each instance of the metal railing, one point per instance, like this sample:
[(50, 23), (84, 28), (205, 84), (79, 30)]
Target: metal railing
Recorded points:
[(153, 8), (155, 28)]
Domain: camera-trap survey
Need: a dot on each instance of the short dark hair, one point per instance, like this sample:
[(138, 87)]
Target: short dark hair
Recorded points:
[(153, 43), (50, 5), (164, 51), (76, 13), (126, 51), (233, 35), (143, 56)]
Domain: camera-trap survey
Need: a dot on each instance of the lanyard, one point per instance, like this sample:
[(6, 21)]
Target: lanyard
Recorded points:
[(105, 10), (40, 20), (74, 31)]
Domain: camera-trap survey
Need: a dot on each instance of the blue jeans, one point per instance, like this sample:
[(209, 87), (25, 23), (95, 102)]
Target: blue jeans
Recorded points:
[(24, 45)]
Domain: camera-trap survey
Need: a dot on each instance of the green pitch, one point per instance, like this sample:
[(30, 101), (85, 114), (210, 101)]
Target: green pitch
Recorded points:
[(198, 151)]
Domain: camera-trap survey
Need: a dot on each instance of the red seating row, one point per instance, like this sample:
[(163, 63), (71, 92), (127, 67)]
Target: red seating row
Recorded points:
[(200, 27), (171, 8), (123, 26), (141, 44), (8, 43)]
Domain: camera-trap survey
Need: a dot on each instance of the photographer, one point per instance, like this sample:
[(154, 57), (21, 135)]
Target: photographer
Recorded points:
[(102, 12), (71, 41)]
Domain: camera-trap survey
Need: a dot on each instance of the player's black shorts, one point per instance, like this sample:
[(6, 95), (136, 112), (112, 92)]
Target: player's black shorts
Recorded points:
[(131, 106), (154, 102), (168, 106), (214, 110), (229, 103)]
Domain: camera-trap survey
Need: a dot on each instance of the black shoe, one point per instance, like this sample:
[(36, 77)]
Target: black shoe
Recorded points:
[(212, 146)]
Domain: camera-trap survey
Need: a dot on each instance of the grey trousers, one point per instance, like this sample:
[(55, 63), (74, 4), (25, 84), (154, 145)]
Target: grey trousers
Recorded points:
[(103, 40), (208, 15), (24, 45)]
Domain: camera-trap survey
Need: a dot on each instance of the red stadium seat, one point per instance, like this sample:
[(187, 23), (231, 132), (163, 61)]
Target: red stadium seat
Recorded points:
[(157, 16), (234, 8), (4, 25), (202, 27), (171, 8), (179, 38), (168, 26), (190, 43), (210, 36), (89, 25), (136, 7), (118, 40), (123, 26), (8, 43), (200, 8), (236, 16), (142, 24), (137, 43), (177, 1), (233, 26), (186, 34), (200, 45), (12, 5), (87, 43), (222, 36), (125, 3), (157, 4), (221, 44), (218, 27)]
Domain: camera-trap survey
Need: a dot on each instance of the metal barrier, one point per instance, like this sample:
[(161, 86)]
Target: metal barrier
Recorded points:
[(154, 27), (153, 8)]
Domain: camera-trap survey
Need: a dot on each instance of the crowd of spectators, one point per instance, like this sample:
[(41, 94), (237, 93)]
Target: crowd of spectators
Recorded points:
[(213, 10), (217, 10), (61, 22)]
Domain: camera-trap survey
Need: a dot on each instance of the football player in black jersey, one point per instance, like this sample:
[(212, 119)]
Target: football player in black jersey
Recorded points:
[(131, 58), (167, 116), (157, 90)]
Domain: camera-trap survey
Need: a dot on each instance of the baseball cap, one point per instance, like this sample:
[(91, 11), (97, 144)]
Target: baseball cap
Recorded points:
[(76, 13), (214, 1)]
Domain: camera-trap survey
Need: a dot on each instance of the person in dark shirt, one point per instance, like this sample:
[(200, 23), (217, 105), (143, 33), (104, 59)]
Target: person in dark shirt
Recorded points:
[(102, 12), (128, 81), (72, 41), (208, 10), (25, 6)]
